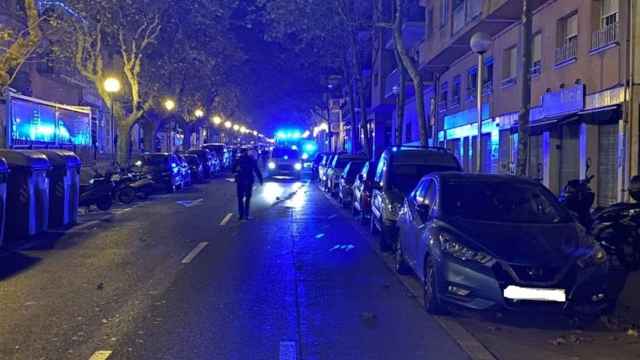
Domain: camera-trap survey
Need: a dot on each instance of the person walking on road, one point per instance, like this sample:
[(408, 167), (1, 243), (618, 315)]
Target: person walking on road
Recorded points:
[(244, 169)]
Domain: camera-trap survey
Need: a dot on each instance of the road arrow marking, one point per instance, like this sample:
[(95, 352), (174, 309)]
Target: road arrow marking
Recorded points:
[(226, 219), (101, 355), (187, 259)]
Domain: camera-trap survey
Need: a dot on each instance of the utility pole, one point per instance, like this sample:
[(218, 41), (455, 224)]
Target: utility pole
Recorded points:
[(525, 89)]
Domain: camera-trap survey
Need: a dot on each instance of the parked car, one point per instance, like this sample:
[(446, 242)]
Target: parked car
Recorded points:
[(222, 153), (285, 162), (163, 168), (315, 166), (197, 169), (334, 171), (347, 179), (208, 162), (362, 191), (487, 241), (397, 173), (185, 170)]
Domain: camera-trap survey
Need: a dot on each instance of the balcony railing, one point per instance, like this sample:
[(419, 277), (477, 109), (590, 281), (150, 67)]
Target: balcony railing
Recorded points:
[(604, 37), (568, 51), (465, 12), (536, 69)]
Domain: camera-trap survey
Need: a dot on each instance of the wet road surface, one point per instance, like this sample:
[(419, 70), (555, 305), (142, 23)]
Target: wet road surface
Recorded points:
[(178, 278)]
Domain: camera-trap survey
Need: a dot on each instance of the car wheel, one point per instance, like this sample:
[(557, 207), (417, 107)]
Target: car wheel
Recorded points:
[(104, 203), (401, 265), (431, 297), (126, 195)]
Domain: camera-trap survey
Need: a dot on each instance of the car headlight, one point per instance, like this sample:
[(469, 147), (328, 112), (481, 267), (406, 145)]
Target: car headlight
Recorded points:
[(271, 165), (298, 166), (596, 257), (453, 247), (92, 181), (138, 163)]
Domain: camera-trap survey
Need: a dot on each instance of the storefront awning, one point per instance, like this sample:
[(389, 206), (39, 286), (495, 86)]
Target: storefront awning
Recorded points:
[(603, 115)]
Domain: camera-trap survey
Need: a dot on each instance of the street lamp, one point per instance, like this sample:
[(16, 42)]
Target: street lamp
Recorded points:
[(217, 120), (112, 86), (198, 113), (236, 127), (169, 105), (255, 133), (243, 129), (480, 44), (228, 124)]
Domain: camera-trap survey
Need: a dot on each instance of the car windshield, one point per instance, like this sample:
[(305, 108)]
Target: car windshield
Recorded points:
[(282, 152), (405, 177), (501, 201)]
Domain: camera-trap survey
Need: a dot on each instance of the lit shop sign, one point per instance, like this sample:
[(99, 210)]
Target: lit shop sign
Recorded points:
[(47, 124), (466, 117), (605, 98)]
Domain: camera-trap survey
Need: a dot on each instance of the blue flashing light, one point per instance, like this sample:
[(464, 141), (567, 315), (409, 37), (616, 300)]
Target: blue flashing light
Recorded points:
[(310, 147)]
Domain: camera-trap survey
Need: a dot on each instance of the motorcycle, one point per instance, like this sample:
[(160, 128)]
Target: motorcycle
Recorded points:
[(98, 192), (616, 228)]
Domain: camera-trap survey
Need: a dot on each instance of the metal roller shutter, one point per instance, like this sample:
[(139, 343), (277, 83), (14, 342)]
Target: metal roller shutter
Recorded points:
[(607, 175), (570, 154)]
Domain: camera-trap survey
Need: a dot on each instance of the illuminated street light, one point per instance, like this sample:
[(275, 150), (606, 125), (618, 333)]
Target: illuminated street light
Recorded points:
[(243, 129), (217, 120), (169, 104), (255, 133), (198, 113), (306, 134), (228, 124), (236, 127), (112, 85)]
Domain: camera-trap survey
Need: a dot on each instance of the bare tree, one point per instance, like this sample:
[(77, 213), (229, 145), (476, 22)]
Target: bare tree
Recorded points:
[(525, 77), (21, 45)]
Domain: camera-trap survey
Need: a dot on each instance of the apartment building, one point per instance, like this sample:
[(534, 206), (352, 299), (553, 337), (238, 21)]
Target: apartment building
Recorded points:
[(583, 92)]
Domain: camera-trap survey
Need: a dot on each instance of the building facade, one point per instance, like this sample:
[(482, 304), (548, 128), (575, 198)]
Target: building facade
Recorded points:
[(584, 107)]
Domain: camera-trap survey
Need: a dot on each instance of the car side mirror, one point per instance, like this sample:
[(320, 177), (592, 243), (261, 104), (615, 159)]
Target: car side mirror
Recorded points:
[(423, 211)]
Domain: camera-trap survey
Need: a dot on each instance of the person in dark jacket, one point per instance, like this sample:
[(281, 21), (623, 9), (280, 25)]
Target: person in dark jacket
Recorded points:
[(244, 169)]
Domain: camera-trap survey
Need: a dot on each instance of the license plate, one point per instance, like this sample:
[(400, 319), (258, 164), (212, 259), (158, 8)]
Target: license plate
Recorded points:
[(533, 294)]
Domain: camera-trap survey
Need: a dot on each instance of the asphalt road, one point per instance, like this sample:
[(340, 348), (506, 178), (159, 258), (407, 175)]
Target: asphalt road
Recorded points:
[(178, 278)]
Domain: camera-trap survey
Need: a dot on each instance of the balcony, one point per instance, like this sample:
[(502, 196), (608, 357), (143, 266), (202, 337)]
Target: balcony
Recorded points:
[(567, 52), (466, 12), (536, 69), (469, 17), (604, 37)]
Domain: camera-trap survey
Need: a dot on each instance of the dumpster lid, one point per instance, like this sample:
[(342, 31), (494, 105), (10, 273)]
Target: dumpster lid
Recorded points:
[(62, 158), (25, 158), (3, 165)]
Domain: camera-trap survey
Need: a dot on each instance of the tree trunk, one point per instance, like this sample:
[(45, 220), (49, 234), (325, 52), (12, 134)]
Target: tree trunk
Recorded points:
[(400, 100), (361, 94), (525, 83), (410, 66), (124, 143)]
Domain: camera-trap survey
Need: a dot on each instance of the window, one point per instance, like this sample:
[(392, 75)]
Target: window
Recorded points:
[(444, 96), (510, 63), (487, 78), (536, 54), (444, 12), (609, 13), (455, 92), (429, 23), (472, 82), (567, 38)]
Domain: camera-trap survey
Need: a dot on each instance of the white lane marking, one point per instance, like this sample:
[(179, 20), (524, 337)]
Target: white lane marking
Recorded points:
[(288, 350), (101, 355), (187, 259), (320, 236), (226, 219)]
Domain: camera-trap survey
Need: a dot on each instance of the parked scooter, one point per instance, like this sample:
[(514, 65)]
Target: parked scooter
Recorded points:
[(616, 228), (98, 192)]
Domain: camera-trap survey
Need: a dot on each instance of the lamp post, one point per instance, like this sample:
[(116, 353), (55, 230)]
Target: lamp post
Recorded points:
[(112, 86), (217, 120), (198, 113), (480, 44), (169, 105)]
